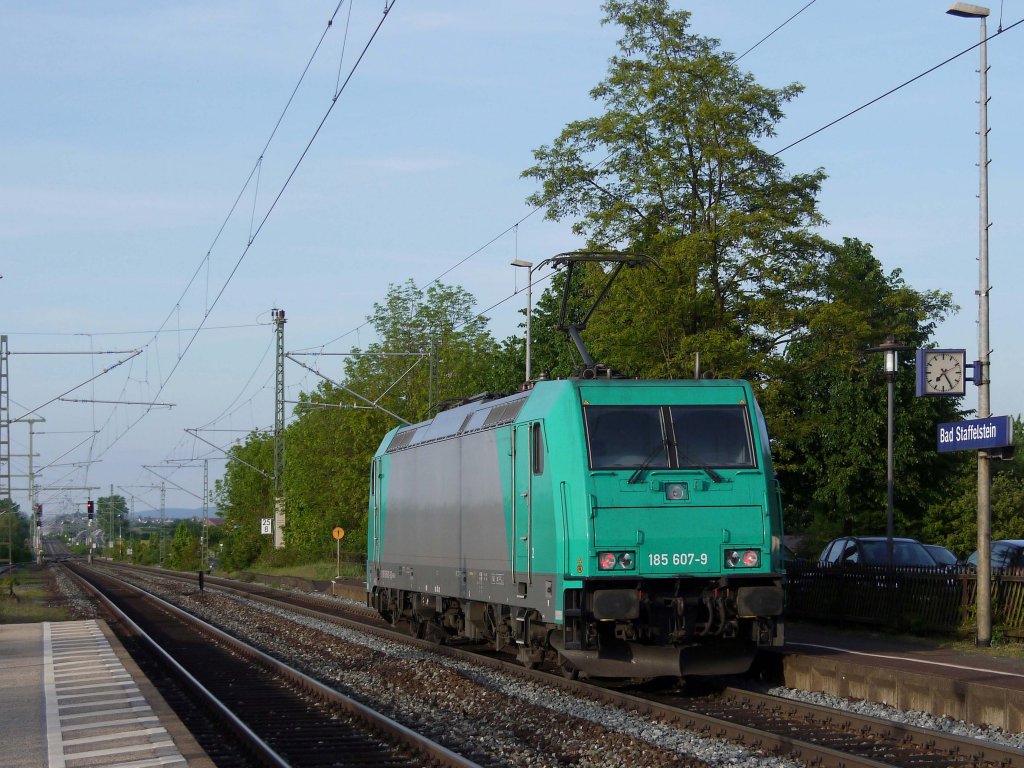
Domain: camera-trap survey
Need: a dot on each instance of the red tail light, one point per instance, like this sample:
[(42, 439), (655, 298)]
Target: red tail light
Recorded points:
[(742, 558)]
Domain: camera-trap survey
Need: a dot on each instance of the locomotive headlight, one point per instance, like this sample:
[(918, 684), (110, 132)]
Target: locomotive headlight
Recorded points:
[(615, 561), (677, 492), (742, 558)]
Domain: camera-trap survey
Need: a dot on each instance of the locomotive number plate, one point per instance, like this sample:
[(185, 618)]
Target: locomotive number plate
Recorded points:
[(677, 558)]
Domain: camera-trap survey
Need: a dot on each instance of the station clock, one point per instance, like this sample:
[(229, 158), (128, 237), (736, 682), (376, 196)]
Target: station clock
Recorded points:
[(941, 372)]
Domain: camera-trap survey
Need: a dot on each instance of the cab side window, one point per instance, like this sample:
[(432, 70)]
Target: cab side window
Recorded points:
[(538, 449)]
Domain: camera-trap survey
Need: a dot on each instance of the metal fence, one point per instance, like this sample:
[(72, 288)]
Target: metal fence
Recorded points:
[(908, 599)]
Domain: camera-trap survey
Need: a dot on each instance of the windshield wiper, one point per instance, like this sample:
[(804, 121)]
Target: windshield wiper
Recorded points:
[(715, 476), (667, 445), (663, 445)]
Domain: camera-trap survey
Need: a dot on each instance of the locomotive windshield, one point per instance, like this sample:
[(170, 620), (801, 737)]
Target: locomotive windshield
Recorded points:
[(676, 436)]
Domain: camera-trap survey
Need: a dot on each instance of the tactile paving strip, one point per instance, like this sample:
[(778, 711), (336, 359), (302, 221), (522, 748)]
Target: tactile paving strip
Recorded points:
[(95, 713)]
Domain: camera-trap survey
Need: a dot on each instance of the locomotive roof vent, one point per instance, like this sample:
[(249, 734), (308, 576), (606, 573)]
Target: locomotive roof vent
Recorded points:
[(402, 439)]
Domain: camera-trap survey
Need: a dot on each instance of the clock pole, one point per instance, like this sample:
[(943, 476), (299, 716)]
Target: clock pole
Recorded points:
[(984, 636), (984, 633)]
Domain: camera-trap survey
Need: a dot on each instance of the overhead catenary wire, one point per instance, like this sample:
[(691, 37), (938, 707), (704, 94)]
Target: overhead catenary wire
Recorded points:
[(755, 45), (514, 226), (152, 345), (248, 381), (891, 91), (255, 168), (165, 379), (227, 281)]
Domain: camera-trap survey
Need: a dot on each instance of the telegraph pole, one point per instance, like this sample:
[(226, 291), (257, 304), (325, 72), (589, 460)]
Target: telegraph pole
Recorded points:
[(163, 511), (37, 537), (204, 551), (279, 508), (110, 520), (5, 447)]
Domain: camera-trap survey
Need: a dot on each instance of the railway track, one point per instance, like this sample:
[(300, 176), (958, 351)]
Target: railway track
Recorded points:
[(872, 740), (812, 734), (276, 715)]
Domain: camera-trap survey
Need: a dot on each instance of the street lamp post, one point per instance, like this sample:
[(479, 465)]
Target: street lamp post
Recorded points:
[(528, 265), (890, 483), (983, 638), (890, 350), (891, 361)]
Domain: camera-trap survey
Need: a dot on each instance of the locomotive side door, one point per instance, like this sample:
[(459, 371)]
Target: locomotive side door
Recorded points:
[(375, 501), (522, 507)]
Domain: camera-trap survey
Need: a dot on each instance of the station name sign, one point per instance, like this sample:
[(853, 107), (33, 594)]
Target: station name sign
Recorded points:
[(976, 434)]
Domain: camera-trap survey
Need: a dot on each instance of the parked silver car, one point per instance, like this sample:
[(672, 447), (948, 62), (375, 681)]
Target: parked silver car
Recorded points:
[(1006, 553)]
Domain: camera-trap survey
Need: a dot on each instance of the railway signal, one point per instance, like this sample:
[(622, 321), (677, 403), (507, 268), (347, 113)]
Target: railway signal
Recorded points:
[(89, 509)]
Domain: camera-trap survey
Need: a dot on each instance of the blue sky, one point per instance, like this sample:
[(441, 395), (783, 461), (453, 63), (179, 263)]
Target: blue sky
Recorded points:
[(129, 130)]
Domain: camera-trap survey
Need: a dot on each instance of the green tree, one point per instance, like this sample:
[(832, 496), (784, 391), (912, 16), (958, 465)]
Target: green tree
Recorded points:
[(672, 169), (184, 554), (146, 551), (244, 497), (14, 528), (828, 407)]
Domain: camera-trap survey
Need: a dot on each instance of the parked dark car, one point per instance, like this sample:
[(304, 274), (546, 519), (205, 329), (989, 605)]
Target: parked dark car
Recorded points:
[(1006, 553), (943, 556), (873, 550)]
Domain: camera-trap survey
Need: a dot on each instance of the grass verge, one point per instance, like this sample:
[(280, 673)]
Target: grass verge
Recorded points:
[(34, 598), (321, 570)]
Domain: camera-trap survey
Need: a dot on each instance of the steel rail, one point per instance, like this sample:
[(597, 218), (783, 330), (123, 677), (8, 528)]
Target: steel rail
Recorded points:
[(957, 747), (250, 739), (430, 749)]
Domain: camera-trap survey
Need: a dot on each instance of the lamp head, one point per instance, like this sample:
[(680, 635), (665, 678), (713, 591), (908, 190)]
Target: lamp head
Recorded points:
[(967, 11), (891, 361)]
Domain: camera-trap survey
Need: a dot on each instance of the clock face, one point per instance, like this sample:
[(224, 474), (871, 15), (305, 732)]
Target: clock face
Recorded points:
[(944, 372)]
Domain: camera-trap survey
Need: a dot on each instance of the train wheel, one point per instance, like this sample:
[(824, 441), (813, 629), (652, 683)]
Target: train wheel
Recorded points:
[(417, 628)]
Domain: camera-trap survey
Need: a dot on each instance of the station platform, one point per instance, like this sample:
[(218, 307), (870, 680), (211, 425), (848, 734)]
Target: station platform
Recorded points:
[(72, 697), (974, 685)]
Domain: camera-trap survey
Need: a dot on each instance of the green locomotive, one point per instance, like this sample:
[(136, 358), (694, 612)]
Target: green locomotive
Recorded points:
[(627, 528)]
